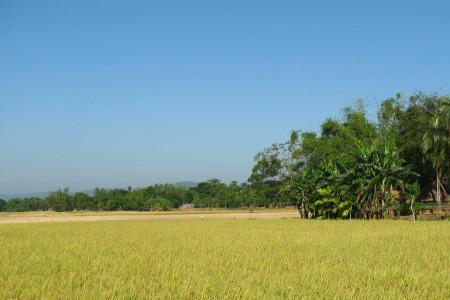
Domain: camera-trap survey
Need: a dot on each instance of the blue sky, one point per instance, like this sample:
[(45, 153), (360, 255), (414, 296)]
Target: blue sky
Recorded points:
[(118, 93)]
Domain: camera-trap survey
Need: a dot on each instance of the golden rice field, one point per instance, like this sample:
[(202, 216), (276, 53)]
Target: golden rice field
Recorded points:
[(226, 259)]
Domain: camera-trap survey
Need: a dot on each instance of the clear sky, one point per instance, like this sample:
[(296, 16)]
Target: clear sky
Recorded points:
[(117, 93)]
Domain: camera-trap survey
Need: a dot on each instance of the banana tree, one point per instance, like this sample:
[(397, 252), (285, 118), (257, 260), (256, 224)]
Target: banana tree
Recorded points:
[(378, 172)]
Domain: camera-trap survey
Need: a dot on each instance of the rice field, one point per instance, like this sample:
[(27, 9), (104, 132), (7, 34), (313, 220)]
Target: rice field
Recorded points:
[(225, 259)]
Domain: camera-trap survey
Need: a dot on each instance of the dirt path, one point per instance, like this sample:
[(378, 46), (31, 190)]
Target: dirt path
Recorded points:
[(17, 219)]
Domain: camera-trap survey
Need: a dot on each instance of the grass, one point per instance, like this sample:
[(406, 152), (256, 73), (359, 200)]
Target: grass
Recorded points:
[(226, 259)]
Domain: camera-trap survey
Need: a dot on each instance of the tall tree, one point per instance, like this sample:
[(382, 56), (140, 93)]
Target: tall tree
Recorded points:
[(2, 205), (436, 144), (60, 200), (82, 201)]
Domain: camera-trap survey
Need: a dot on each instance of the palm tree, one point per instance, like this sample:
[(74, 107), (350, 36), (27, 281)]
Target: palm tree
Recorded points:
[(436, 143)]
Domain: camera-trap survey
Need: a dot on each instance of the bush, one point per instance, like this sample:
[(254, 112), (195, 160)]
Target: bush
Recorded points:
[(158, 203)]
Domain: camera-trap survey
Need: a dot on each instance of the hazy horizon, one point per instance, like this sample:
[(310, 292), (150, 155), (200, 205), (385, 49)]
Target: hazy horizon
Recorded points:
[(116, 94)]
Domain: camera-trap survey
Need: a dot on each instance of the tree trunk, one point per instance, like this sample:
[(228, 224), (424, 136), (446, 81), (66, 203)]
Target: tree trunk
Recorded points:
[(305, 211), (413, 210), (438, 189)]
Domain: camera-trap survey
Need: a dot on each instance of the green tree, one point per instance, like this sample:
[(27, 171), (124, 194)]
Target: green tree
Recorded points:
[(100, 198), (302, 189), (82, 201), (436, 144), (15, 204), (158, 203), (339, 140), (60, 200), (116, 199), (2, 205), (136, 200)]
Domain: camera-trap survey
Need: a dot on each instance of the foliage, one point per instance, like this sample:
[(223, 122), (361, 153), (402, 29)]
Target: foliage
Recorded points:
[(60, 200), (359, 168), (2, 205), (158, 203), (83, 202), (436, 144)]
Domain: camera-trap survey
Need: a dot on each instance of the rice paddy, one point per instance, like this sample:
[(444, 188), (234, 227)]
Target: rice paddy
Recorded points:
[(225, 259)]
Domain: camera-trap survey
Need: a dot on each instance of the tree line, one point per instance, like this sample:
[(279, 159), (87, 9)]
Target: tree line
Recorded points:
[(159, 197), (353, 168), (358, 168)]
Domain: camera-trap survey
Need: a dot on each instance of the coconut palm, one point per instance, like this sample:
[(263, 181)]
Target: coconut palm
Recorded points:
[(436, 144)]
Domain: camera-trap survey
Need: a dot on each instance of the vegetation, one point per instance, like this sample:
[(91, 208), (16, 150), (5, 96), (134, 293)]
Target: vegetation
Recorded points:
[(437, 144), (3, 204), (354, 168), (209, 194), (357, 168), (227, 259)]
